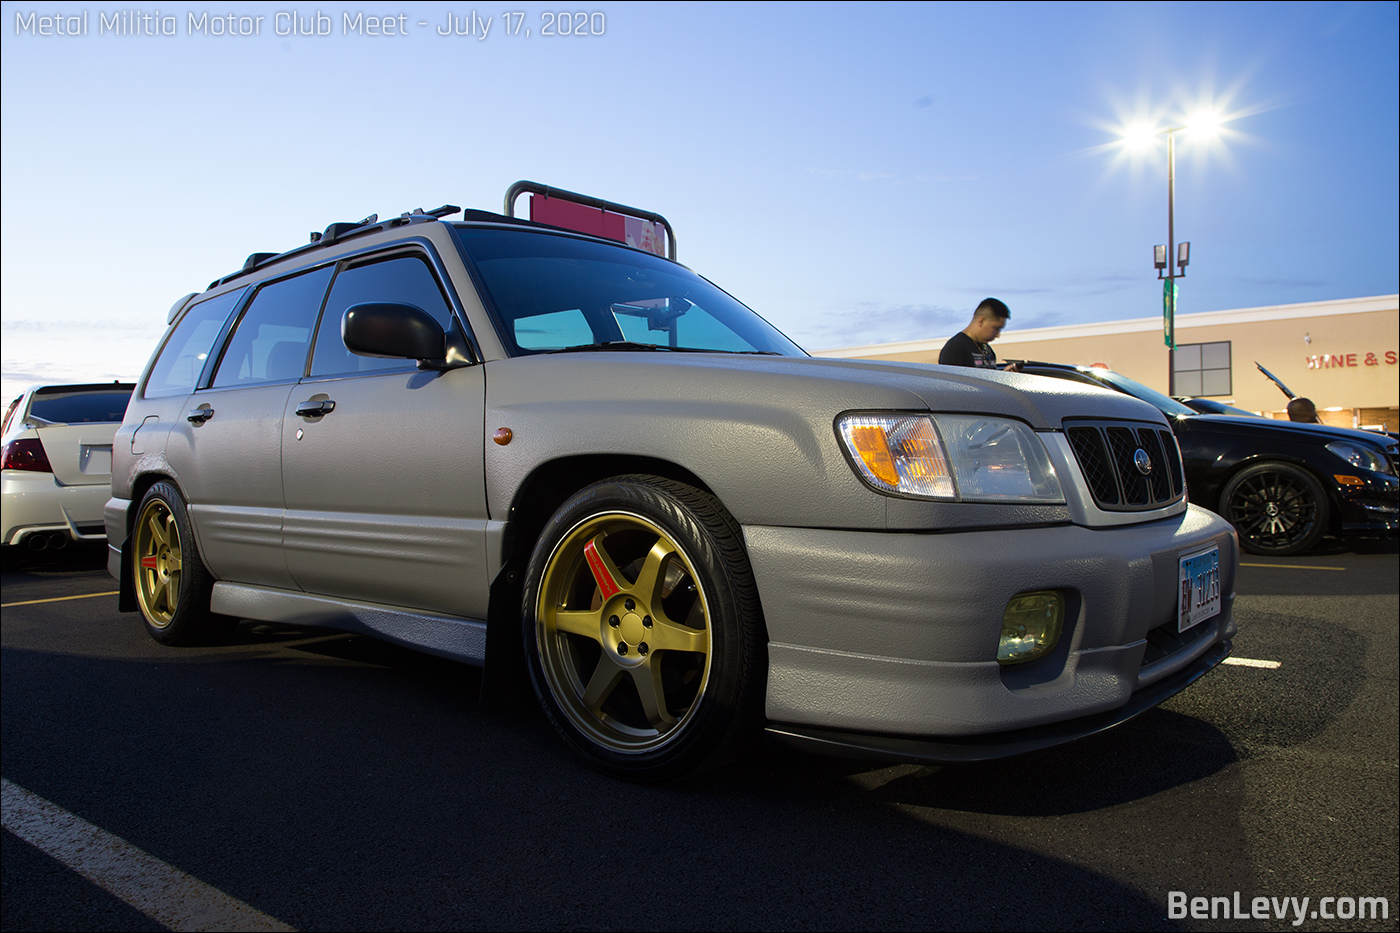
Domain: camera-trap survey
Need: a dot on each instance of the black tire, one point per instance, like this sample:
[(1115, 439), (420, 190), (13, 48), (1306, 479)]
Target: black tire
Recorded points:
[(1276, 508), (171, 582), (642, 629)]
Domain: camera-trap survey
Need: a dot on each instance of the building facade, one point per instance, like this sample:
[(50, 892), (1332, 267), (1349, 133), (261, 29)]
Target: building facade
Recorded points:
[(1341, 354)]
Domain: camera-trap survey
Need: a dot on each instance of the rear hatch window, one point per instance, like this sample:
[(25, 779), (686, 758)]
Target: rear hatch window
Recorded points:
[(80, 407)]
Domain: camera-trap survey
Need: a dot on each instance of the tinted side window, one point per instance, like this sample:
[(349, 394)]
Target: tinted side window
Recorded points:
[(406, 279), (270, 343), (183, 357)]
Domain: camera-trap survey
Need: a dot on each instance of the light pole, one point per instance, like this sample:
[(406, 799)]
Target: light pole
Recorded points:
[(1162, 259), (1171, 260)]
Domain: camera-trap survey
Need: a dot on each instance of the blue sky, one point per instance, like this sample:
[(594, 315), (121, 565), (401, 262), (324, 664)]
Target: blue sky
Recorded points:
[(856, 173)]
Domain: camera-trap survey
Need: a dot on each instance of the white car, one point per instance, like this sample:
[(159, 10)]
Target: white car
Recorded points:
[(58, 463)]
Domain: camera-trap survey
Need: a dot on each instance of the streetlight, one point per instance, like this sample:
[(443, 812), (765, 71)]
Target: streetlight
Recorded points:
[(1163, 256)]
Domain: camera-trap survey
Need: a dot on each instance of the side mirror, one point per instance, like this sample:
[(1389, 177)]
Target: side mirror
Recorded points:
[(395, 330)]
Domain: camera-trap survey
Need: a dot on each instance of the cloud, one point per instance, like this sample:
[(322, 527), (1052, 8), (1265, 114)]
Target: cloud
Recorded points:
[(66, 326), (1068, 287), (1048, 319), (26, 376), (867, 322)]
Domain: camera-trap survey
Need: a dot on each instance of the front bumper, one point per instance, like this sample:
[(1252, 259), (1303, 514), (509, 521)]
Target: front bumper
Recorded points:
[(989, 747), (1373, 507), (896, 634)]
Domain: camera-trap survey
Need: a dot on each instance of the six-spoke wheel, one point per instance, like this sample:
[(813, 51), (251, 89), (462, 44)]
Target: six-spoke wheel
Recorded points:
[(642, 628), (172, 584)]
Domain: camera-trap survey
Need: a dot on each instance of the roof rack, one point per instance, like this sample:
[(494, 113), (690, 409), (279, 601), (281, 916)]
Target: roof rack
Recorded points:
[(569, 210), (341, 231)]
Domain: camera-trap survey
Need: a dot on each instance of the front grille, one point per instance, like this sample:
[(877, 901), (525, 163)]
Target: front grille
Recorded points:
[(1107, 453)]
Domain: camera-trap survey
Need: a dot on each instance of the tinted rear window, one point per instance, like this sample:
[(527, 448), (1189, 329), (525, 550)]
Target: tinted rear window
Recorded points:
[(81, 407)]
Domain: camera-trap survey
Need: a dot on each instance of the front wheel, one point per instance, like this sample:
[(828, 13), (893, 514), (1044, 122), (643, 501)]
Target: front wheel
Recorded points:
[(172, 584), (1277, 509), (642, 629)]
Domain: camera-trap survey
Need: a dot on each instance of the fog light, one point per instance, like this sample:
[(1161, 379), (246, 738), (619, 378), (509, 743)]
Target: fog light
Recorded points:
[(1031, 626)]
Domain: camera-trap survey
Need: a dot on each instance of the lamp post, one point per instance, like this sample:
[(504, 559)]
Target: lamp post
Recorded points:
[(1163, 257)]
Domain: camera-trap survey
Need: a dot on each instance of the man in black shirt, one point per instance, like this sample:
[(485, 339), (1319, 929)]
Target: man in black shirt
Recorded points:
[(972, 346)]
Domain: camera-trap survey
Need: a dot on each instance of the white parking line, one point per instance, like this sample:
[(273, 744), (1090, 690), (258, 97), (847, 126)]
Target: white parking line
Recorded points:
[(162, 892), (1254, 662), (55, 599)]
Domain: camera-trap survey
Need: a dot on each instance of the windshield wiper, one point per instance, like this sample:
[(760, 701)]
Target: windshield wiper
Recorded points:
[(618, 345), (633, 345)]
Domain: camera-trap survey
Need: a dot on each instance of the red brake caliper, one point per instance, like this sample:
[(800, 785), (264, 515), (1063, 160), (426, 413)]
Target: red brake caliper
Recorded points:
[(606, 584)]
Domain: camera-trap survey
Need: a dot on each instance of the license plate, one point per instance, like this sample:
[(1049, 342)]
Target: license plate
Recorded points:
[(1199, 593)]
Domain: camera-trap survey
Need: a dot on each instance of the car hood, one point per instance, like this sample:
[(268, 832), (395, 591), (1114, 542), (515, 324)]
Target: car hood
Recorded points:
[(1315, 433), (835, 385)]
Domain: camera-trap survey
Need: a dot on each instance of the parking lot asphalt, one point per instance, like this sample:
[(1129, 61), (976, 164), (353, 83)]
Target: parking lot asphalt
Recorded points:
[(329, 781)]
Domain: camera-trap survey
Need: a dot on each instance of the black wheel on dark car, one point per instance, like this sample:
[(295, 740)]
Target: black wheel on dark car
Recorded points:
[(642, 629), (1276, 508), (172, 584)]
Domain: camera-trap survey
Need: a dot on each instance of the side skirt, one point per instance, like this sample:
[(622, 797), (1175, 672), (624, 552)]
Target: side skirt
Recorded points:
[(445, 636)]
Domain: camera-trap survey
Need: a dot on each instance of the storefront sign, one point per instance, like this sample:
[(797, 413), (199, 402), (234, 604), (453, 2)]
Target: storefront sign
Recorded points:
[(1351, 360)]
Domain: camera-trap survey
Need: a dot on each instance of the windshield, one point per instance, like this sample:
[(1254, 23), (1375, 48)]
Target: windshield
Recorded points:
[(1165, 403), (1212, 407), (549, 293)]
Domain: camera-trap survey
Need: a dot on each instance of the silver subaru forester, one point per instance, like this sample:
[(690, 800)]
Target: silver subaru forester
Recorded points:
[(529, 448)]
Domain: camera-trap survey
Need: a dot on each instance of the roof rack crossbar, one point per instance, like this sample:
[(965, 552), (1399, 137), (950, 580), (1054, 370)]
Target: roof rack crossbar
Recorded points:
[(339, 231)]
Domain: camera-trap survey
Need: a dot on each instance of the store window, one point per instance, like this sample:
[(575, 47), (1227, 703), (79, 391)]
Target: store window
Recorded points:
[(1202, 369)]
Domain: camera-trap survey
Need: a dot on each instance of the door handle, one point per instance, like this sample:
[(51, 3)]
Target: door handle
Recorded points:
[(315, 409), (200, 415)]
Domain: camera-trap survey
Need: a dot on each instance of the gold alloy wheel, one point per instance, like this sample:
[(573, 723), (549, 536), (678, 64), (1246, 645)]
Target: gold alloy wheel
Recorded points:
[(158, 563), (623, 632)]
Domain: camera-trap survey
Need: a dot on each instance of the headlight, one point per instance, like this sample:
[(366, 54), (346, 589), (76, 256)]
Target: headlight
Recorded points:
[(967, 457), (1361, 456)]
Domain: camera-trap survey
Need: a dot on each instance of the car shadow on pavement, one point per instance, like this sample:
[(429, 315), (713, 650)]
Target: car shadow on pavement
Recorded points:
[(363, 793)]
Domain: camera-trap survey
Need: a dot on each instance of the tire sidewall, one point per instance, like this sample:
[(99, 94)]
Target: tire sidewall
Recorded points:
[(708, 735), (191, 622)]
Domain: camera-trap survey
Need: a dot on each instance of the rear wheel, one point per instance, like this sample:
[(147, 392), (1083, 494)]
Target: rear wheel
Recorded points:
[(642, 629), (172, 584), (1277, 509)]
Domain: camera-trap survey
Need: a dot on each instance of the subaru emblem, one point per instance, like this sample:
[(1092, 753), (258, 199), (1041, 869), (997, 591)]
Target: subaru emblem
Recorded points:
[(1142, 461)]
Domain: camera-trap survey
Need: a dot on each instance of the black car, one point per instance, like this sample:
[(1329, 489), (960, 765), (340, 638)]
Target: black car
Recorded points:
[(1283, 485), (1209, 406)]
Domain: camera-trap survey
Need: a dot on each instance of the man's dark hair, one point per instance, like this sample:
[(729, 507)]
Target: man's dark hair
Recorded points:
[(1302, 409), (992, 307)]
